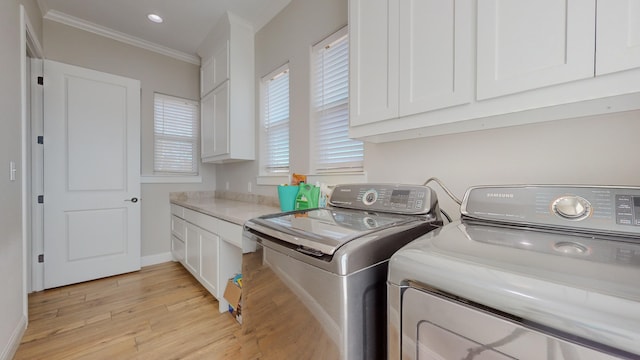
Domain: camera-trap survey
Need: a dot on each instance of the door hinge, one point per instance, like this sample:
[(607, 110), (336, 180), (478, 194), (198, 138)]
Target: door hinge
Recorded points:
[(41, 139), (40, 199), (41, 258), (40, 80)]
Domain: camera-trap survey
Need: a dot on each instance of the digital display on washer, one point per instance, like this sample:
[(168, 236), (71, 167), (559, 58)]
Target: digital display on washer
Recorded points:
[(400, 196), (636, 210)]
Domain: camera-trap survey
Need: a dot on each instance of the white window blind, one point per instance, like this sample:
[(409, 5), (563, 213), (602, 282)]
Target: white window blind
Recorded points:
[(175, 135), (275, 124), (333, 151)]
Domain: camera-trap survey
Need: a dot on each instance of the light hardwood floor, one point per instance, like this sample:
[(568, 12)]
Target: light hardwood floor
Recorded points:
[(160, 312)]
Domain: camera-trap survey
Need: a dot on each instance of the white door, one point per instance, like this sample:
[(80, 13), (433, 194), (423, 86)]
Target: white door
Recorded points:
[(91, 174), (524, 45)]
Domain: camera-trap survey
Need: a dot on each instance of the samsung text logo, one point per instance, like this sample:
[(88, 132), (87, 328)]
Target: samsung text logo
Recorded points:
[(500, 195)]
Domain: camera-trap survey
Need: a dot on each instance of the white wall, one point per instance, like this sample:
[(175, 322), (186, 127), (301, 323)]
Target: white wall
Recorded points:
[(13, 299), (599, 150), (593, 150), (11, 267), (35, 16), (288, 37), (157, 73)]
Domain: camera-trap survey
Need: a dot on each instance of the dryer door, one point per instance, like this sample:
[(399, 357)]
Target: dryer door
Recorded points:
[(434, 327)]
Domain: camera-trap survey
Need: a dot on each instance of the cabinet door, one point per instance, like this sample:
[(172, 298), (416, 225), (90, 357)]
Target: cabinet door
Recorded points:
[(192, 256), (177, 249), (215, 70), (618, 36), (206, 76), (524, 45), (221, 64), (373, 63), (215, 122), (209, 261), (435, 54), (177, 227)]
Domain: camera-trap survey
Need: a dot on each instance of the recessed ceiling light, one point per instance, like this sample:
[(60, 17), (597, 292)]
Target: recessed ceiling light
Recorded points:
[(155, 18)]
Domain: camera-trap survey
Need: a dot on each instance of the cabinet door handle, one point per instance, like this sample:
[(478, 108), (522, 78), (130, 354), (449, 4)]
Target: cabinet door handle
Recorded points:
[(133, 199)]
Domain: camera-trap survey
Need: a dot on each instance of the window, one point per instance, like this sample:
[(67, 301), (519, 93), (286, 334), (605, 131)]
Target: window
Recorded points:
[(333, 151), (175, 144), (275, 122)]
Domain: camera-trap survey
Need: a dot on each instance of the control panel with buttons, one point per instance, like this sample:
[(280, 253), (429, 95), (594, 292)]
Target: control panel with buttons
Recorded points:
[(605, 209), (396, 198)]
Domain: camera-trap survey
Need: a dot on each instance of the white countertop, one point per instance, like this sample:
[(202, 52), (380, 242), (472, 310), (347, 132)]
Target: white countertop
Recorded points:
[(234, 211)]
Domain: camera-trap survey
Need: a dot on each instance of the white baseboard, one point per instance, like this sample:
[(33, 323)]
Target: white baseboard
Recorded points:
[(14, 342), (156, 259)]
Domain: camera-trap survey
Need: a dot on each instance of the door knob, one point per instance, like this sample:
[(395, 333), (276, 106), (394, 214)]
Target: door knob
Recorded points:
[(133, 200)]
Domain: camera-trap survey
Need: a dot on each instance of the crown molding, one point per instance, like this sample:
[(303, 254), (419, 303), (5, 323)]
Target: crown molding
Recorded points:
[(69, 20), (44, 7), (32, 41)]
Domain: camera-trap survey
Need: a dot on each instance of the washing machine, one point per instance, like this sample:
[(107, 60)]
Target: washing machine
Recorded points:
[(314, 280), (529, 272)]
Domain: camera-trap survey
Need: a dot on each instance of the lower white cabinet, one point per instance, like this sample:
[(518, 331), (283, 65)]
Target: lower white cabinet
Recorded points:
[(178, 227), (209, 262), (192, 256), (177, 248), (208, 247)]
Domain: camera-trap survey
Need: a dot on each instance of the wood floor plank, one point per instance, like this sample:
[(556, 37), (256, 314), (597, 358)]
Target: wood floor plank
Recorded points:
[(123, 350), (159, 312), (56, 303)]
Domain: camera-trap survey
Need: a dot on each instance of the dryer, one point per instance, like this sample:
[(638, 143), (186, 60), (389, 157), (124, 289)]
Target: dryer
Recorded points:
[(529, 272)]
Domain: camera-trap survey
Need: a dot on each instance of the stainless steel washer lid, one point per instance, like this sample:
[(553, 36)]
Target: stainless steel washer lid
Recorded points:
[(591, 291), (326, 229)]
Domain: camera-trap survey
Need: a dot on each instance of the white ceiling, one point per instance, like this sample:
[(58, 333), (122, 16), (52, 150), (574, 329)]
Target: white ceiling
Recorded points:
[(186, 22)]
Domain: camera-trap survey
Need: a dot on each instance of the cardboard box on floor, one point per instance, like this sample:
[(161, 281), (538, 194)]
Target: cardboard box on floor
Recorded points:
[(233, 294)]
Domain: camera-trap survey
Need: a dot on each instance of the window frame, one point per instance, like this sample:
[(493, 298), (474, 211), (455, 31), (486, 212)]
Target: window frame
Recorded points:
[(267, 177), (160, 176), (315, 115)]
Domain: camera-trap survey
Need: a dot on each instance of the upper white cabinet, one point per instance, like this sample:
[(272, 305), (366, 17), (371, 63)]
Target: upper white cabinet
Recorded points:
[(215, 70), (373, 61), (227, 86), (435, 54), (424, 68), (618, 40), (524, 45), (408, 57), (215, 123)]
